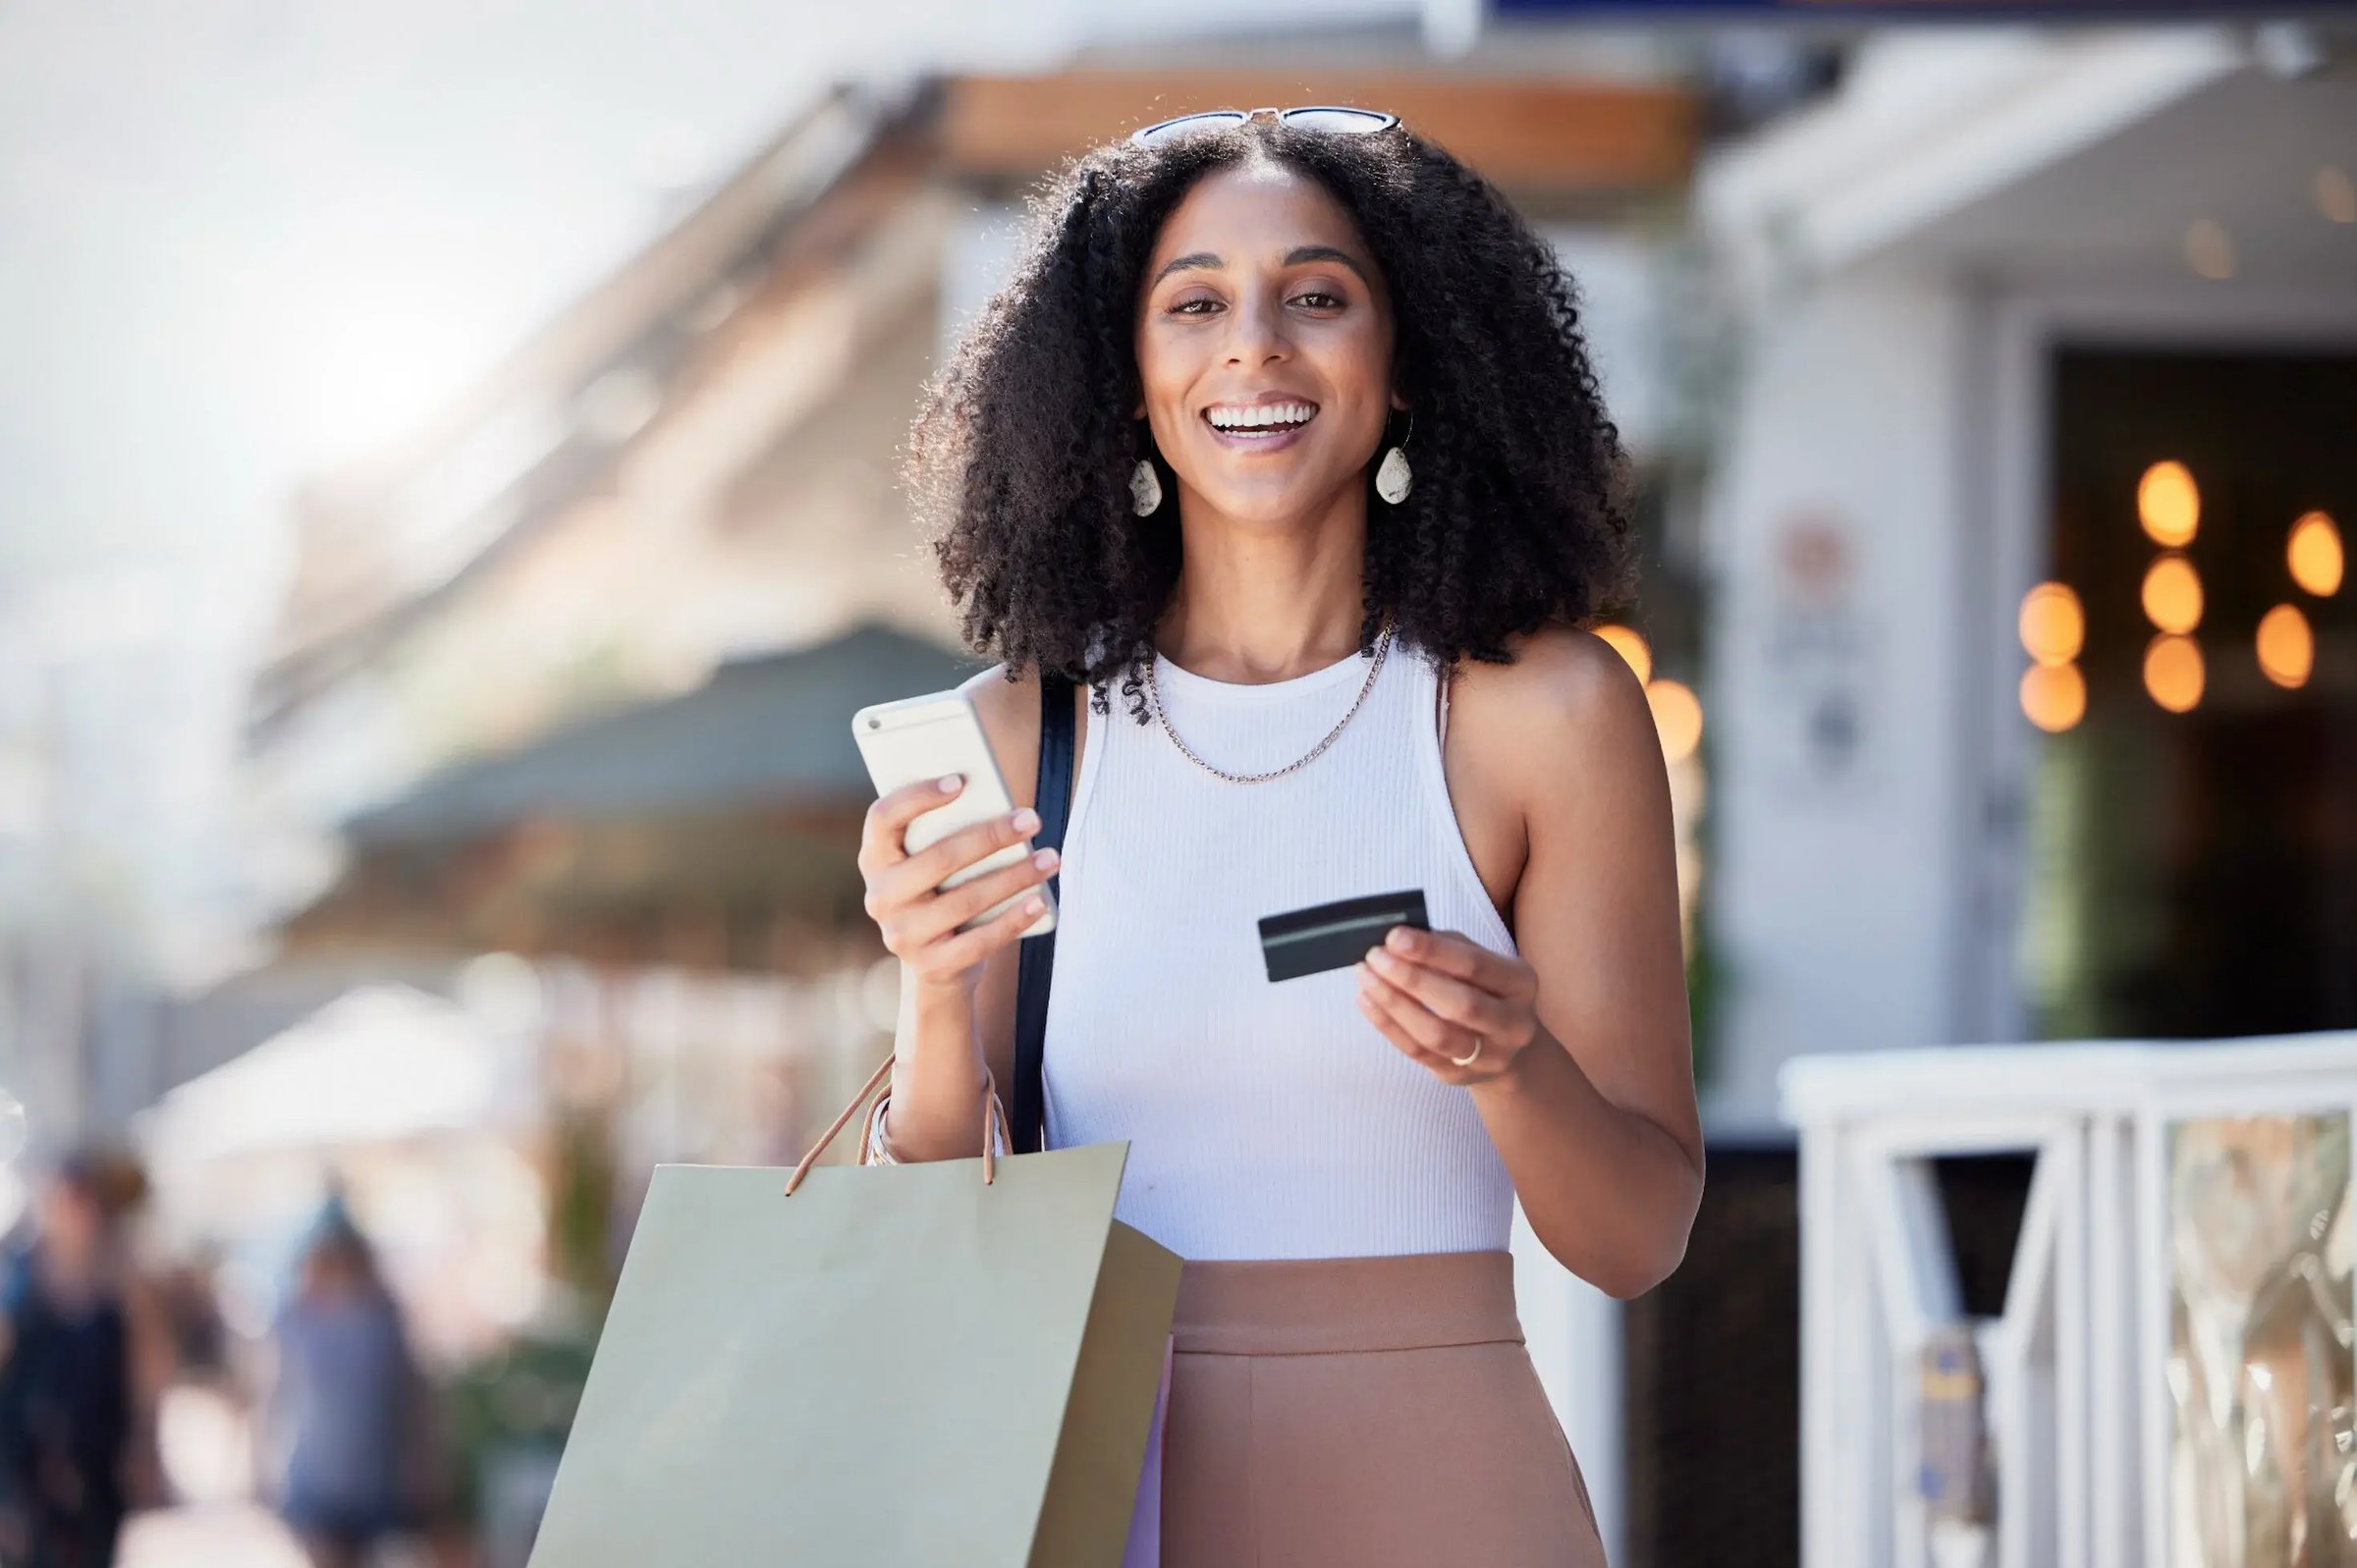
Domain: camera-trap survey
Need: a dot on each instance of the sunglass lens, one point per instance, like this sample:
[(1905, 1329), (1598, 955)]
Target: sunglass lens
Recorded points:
[(1186, 123), (1345, 120)]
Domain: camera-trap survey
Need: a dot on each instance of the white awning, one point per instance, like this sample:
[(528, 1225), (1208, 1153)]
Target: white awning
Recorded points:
[(1926, 124), (379, 1064)]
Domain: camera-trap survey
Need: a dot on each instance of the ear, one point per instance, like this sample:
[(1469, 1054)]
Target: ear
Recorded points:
[(1399, 403)]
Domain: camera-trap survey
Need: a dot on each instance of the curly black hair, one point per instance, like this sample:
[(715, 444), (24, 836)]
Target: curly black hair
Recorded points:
[(1021, 459)]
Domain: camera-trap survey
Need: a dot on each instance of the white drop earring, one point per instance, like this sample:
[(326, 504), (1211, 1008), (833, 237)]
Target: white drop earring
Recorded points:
[(1394, 479), (1145, 489)]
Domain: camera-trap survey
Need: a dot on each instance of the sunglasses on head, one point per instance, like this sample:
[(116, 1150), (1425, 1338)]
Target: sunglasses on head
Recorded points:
[(1332, 118)]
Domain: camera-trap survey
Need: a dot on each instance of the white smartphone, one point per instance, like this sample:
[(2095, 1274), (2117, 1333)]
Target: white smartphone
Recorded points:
[(930, 737)]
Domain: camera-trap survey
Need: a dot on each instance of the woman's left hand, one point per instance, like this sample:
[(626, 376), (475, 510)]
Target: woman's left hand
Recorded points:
[(1443, 999)]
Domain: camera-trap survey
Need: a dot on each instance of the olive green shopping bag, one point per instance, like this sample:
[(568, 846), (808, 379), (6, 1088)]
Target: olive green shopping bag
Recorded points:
[(927, 1364)]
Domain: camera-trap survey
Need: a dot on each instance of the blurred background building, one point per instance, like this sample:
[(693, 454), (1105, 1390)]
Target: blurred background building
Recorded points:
[(429, 614)]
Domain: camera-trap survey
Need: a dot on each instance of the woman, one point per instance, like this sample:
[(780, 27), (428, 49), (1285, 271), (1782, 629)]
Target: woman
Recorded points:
[(348, 1401), (1285, 428)]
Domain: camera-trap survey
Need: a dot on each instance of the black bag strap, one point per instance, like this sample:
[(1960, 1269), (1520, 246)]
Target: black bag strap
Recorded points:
[(1035, 965)]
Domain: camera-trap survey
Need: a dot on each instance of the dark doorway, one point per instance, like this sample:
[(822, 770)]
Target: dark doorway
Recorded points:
[(2194, 840)]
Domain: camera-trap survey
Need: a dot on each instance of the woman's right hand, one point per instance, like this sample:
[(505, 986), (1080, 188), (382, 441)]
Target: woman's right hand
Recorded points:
[(920, 922)]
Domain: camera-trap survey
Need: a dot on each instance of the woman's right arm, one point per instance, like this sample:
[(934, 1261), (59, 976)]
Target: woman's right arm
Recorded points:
[(956, 1011)]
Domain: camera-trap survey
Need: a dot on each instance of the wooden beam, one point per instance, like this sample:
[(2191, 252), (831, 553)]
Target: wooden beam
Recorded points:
[(1524, 132)]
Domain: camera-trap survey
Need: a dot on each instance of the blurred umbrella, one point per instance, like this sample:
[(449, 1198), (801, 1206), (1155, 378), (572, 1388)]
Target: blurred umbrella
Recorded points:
[(737, 803), (379, 1064), (772, 731)]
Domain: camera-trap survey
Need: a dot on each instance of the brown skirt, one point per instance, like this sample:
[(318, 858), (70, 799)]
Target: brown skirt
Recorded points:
[(1368, 1411)]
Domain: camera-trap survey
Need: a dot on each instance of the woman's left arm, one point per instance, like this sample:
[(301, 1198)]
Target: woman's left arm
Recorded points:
[(1584, 1069)]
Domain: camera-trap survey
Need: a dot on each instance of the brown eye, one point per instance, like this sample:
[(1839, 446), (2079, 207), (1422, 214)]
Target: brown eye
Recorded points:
[(1320, 299)]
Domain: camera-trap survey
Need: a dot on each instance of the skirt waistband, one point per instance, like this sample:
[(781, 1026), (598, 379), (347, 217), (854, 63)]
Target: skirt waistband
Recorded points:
[(1330, 1306)]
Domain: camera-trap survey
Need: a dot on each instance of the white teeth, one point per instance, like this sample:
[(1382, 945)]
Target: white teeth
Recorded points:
[(1259, 414)]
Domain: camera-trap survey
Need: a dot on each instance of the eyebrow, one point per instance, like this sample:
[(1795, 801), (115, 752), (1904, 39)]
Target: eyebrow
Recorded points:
[(1205, 260)]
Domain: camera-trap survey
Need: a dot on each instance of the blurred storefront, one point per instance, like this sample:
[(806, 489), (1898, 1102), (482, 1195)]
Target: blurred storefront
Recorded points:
[(2035, 697), (2049, 338)]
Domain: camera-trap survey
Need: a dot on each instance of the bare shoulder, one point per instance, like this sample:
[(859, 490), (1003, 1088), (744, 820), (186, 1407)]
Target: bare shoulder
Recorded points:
[(1567, 705)]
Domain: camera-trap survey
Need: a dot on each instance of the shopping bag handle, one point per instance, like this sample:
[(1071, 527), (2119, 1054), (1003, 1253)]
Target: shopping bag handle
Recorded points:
[(994, 1121)]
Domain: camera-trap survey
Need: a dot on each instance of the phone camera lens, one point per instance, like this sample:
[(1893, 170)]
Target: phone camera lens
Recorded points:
[(875, 724)]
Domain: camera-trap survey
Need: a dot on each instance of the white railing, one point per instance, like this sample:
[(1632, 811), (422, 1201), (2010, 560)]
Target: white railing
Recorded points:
[(2076, 1400)]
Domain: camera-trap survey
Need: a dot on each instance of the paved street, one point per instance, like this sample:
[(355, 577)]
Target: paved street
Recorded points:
[(220, 1535)]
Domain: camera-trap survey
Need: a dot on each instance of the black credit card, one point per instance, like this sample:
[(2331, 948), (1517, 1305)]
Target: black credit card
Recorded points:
[(1334, 936)]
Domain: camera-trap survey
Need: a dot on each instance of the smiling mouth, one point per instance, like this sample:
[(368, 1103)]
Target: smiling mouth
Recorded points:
[(1259, 421)]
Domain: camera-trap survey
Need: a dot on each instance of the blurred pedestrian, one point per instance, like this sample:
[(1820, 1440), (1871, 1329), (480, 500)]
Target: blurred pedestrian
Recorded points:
[(347, 1409), (66, 1403)]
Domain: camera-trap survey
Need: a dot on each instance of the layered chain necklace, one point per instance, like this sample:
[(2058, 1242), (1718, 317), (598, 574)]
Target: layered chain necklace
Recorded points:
[(1383, 647)]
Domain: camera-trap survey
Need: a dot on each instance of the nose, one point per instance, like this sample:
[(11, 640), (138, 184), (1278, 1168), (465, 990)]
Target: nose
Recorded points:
[(1256, 333)]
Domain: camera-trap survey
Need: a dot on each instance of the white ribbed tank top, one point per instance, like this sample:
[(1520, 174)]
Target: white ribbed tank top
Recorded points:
[(1265, 1120)]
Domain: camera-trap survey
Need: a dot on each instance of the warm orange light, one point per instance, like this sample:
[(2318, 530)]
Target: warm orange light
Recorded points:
[(2054, 697), (2054, 627), (2210, 249), (2172, 594), (1677, 715), (2172, 672), (2169, 503), (1629, 644), (2287, 646), (2315, 553), (2335, 194)]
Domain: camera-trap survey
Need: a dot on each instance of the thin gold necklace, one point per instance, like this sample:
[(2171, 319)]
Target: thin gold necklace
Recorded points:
[(1383, 647)]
